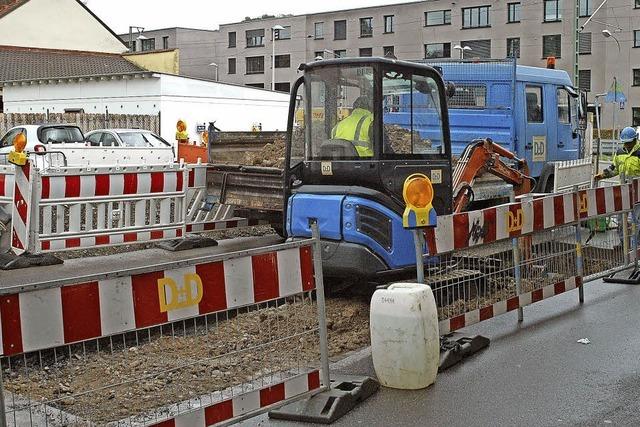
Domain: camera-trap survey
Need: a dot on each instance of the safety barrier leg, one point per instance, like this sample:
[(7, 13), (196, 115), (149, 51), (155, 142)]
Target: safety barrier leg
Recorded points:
[(579, 256), (517, 267), (322, 317)]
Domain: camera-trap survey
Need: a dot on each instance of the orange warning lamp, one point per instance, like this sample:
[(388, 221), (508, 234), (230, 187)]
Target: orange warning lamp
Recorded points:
[(418, 195), (18, 157)]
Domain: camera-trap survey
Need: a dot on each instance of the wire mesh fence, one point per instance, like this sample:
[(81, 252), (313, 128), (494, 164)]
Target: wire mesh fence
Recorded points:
[(262, 346)]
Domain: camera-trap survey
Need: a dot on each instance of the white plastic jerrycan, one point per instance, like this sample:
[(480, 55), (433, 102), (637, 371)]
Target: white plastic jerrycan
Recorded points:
[(405, 343)]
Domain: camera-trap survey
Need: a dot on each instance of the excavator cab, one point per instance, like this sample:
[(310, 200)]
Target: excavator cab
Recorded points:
[(358, 127)]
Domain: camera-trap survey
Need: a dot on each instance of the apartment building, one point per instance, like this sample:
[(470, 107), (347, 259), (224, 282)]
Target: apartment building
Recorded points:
[(529, 30), (195, 48)]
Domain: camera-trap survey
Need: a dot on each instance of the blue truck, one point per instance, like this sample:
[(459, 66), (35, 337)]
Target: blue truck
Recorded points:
[(535, 113)]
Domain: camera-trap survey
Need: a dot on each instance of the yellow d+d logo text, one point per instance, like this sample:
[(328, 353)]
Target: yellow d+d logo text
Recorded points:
[(515, 221), (583, 203), (173, 296)]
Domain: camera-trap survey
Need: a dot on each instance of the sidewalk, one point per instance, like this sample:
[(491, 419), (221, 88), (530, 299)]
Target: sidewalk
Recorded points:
[(532, 374)]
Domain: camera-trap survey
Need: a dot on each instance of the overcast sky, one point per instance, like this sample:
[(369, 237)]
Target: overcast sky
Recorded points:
[(207, 14)]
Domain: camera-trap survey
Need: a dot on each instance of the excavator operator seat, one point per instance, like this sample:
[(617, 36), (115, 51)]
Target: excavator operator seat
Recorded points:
[(336, 149)]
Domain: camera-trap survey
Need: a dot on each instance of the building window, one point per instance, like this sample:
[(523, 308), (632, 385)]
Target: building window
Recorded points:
[(388, 23), (513, 47), (636, 38), (258, 85), (340, 53), (255, 64), (340, 30), (586, 8), (534, 104), (165, 42), (635, 113), (388, 52), (552, 46), (366, 27), (132, 45), (283, 87), (637, 6), (366, 52), (437, 50), (437, 17), (513, 12), (255, 38), (636, 77), (283, 34), (318, 54), (479, 48), (584, 44), (318, 30), (283, 61), (584, 80), (231, 69), (148, 44), (552, 10), (232, 39), (475, 17)]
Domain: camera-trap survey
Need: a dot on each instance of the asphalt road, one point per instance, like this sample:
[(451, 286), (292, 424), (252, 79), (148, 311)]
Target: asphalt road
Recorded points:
[(533, 374)]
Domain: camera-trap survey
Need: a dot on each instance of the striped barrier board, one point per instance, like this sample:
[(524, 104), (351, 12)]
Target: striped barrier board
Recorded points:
[(88, 309), (22, 211), (472, 317), (468, 229), (6, 184), (247, 404)]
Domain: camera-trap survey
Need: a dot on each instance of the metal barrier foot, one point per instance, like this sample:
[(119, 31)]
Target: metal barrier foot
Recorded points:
[(454, 348), (625, 277), (189, 242), (10, 261), (326, 407)]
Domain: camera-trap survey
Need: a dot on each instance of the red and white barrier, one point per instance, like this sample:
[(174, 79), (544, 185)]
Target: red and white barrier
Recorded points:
[(484, 313), (468, 229), (6, 184), (247, 403), (22, 212), (47, 318)]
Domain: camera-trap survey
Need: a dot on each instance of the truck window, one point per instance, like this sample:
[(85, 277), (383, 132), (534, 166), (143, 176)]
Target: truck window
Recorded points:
[(469, 96), (534, 104), (563, 106), (411, 114)]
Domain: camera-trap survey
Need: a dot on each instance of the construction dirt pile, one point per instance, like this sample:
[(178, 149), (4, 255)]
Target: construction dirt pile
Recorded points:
[(272, 155)]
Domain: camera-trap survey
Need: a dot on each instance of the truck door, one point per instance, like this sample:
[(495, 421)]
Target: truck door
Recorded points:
[(566, 145), (536, 138)]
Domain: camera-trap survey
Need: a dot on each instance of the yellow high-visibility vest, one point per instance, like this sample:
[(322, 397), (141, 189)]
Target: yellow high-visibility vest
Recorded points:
[(355, 128)]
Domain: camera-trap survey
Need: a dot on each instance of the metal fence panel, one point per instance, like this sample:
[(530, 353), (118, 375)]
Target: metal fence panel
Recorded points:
[(207, 341)]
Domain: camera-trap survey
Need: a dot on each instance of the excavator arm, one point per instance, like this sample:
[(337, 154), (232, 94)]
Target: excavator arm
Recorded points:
[(480, 157)]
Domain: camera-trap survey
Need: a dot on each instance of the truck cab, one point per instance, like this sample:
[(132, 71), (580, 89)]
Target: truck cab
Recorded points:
[(352, 144), (533, 112)]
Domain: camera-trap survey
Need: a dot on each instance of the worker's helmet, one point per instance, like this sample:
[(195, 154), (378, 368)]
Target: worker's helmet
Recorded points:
[(363, 102), (628, 134)]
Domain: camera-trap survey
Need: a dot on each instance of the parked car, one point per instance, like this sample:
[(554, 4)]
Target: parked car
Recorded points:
[(41, 136), (65, 144)]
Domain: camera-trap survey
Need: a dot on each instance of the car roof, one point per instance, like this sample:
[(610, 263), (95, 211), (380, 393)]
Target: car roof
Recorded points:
[(121, 130)]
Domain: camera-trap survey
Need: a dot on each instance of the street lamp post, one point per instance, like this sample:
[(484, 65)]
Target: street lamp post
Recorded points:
[(462, 50), (273, 54), (607, 34), (139, 30)]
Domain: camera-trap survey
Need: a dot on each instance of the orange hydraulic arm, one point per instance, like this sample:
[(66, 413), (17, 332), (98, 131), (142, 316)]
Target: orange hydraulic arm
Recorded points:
[(479, 157)]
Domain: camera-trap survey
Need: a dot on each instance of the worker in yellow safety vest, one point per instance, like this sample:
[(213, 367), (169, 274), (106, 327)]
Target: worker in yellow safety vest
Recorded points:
[(357, 127), (627, 159)]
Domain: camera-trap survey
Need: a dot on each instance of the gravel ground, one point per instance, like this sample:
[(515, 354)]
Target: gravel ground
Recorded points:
[(117, 383)]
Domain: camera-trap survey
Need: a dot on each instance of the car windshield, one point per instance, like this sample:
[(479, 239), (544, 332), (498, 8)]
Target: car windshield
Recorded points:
[(59, 135), (142, 139)]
